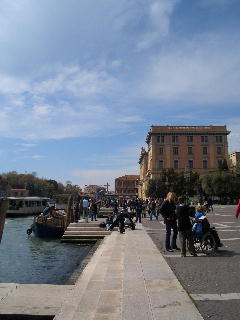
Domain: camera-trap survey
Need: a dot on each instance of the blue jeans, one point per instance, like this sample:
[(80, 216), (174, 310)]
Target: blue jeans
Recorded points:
[(171, 225), (153, 213)]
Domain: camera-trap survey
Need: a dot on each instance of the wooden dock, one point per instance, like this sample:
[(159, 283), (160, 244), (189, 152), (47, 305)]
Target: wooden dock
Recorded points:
[(83, 232)]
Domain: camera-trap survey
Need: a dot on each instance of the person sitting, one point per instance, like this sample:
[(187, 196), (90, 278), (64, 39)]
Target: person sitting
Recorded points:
[(201, 224), (109, 221)]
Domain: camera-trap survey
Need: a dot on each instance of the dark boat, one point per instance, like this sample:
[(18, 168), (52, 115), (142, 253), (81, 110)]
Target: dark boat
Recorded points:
[(51, 225), (44, 230)]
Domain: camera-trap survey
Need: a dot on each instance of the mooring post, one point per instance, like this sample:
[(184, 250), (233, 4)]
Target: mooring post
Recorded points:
[(3, 210)]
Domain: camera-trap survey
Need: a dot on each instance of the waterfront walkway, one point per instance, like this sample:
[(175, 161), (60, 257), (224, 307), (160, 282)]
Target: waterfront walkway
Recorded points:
[(127, 278)]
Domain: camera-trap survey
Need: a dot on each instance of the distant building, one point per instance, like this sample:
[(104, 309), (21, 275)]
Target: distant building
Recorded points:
[(184, 148), (127, 185), (234, 159), (93, 189), (19, 193)]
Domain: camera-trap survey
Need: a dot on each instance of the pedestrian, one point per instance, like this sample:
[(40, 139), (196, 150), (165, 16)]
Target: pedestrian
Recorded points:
[(85, 209), (167, 210), (210, 204), (183, 213), (93, 210), (153, 211), (237, 209), (138, 208)]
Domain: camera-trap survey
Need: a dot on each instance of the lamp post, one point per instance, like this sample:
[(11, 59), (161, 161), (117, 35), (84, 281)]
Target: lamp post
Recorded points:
[(187, 181), (166, 184)]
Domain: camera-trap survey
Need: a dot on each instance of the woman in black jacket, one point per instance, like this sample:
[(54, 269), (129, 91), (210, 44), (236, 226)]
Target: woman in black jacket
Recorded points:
[(167, 210)]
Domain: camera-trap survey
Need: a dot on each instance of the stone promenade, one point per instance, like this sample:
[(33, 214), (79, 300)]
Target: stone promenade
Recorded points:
[(127, 278)]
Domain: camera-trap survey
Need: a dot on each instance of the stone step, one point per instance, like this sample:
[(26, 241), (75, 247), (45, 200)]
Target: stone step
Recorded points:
[(87, 229), (82, 236), (90, 228), (84, 224), (86, 232)]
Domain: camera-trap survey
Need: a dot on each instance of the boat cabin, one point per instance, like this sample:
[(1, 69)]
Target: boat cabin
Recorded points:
[(21, 206)]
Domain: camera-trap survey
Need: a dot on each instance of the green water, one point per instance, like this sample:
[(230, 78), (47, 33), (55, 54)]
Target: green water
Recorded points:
[(27, 259)]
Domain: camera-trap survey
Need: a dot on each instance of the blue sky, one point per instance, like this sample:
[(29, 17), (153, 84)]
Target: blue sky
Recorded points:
[(81, 82)]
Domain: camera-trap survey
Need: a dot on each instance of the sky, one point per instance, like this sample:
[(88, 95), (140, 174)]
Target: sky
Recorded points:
[(81, 82)]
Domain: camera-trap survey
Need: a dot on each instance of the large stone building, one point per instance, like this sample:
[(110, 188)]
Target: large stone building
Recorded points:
[(183, 148), (93, 189), (234, 159), (127, 185)]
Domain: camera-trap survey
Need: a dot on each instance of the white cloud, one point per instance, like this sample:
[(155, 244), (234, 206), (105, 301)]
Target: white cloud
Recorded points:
[(27, 145), (132, 118), (205, 70), (159, 13)]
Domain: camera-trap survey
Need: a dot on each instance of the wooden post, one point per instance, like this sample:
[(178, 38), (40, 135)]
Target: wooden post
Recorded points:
[(3, 210), (77, 209), (69, 209)]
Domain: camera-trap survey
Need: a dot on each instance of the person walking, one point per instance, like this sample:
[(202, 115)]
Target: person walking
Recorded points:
[(85, 209), (167, 210), (138, 208), (93, 210), (183, 213), (153, 211), (237, 210)]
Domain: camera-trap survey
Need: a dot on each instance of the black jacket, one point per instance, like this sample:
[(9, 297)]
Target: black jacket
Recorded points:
[(183, 213), (167, 210)]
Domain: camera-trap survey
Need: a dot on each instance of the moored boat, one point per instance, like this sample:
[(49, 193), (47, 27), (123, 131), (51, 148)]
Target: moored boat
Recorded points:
[(50, 224), (24, 206)]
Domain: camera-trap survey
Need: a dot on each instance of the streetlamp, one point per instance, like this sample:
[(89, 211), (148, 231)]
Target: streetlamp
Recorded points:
[(187, 181)]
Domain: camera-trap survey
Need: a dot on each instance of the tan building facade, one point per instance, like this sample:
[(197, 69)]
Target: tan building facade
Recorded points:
[(92, 189), (234, 159), (127, 185), (184, 148)]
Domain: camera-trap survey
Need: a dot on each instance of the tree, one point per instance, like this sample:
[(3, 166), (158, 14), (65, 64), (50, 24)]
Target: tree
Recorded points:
[(175, 182), (223, 166), (221, 184)]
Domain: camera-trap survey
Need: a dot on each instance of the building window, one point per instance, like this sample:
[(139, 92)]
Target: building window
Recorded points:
[(205, 164), (190, 164), (219, 150), (219, 139), (175, 150), (205, 150), (204, 139), (161, 150), (160, 139), (174, 139), (190, 139), (160, 164), (175, 164), (190, 150)]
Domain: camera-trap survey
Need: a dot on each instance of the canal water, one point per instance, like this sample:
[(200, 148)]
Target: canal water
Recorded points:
[(27, 259)]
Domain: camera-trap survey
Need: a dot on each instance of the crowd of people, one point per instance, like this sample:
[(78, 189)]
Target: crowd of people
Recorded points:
[(178, 217), (176, 213)]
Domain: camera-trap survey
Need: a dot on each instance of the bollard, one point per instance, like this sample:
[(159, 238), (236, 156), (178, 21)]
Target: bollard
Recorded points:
[(3, 210)]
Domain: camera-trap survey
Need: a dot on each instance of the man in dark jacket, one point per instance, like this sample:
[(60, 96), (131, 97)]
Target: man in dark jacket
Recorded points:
[(183, 213), (167, 210)]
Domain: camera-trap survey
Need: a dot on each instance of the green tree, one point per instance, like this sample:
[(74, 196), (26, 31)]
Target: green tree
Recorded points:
[(223, 166)]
